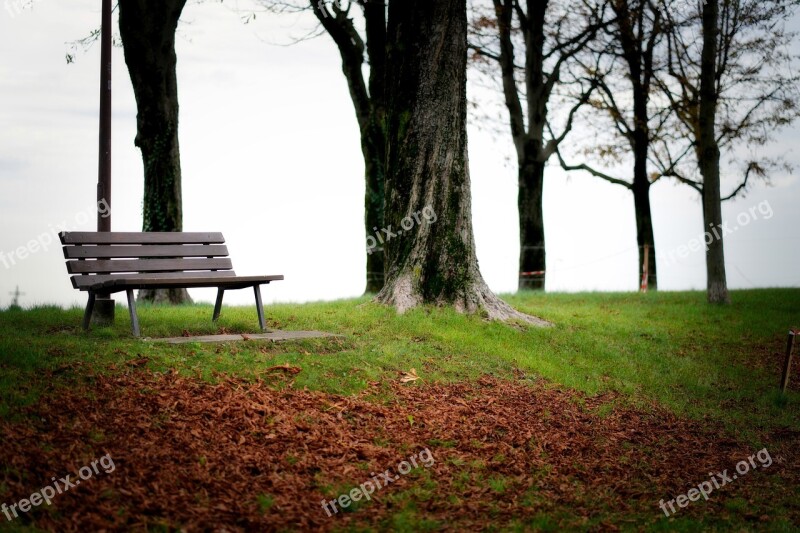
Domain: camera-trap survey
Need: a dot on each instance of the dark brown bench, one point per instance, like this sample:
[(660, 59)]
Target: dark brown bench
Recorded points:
[(105, 263)]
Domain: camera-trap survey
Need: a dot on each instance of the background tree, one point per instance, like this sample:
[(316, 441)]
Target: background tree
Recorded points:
[(734, 86), (548, 34), (148, 40), (360, 42), (427, 169), (625, 64), (367, 97), (708, 153)]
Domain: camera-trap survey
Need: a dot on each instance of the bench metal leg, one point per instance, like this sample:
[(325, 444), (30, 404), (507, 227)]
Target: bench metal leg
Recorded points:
[(134, 316), (218, 305), (87, 315), (260, 308)]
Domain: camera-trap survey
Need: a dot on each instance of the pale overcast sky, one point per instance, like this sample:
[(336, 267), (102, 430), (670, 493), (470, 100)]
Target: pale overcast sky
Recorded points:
[(271, 156)]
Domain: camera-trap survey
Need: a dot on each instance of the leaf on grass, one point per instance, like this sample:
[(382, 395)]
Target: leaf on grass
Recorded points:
[(408, 377)]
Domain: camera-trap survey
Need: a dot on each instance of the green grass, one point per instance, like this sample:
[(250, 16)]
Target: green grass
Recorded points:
[(672, 348), (265, 502)]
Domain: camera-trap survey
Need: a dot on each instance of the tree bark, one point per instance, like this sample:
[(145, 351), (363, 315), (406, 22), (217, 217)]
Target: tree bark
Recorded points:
[(709, 155), (433, 261), (148, 37)]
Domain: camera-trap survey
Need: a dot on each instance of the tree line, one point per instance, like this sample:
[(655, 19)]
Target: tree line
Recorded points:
[(667, 87)]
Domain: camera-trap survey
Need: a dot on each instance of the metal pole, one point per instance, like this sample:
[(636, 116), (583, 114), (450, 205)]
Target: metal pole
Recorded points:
[(104, 306), (104, 167)]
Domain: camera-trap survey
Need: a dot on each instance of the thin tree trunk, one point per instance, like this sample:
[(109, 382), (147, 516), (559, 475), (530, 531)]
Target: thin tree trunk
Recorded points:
[(644, 225), (638, 50), (148, 37), (709, 155), (368, 104), (641, 181), (531, 183), (433, 260), (531, 225), (529, 144), (375, 154)]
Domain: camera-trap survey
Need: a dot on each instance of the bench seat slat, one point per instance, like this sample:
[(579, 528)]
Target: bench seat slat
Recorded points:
[(96, 252), (233, 282), (187, 280), (89, 237), (147, 265), (85, 282)]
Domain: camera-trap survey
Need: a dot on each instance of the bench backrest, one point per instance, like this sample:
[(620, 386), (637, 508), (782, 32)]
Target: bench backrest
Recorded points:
[(97, 257)]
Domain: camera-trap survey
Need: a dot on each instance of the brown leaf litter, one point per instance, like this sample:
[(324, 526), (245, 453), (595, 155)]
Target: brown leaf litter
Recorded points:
[(239, 456)]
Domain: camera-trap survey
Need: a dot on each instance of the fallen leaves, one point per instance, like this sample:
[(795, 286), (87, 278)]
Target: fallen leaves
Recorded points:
[(286, 367), (195, 455), (135, 363)]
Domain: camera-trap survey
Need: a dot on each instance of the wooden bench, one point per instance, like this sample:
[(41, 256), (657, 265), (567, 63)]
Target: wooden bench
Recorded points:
[(105, 263)]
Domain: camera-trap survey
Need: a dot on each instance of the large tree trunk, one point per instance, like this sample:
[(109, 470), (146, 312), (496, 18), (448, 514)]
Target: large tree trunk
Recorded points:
[(433, 260), (148, 37), (709, 154), (531, 225)]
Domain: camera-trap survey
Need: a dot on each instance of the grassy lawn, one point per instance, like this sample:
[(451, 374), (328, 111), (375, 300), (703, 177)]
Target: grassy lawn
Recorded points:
[(715, 367)]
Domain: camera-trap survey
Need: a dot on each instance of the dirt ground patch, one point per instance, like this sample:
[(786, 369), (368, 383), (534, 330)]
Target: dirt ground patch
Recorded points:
[(238, 456)]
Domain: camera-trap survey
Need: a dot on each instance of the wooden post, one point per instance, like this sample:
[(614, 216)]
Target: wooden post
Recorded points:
[(787, 365)]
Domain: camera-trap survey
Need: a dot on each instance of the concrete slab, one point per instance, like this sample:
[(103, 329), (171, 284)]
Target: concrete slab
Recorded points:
[(272, 336), (289, 335)]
